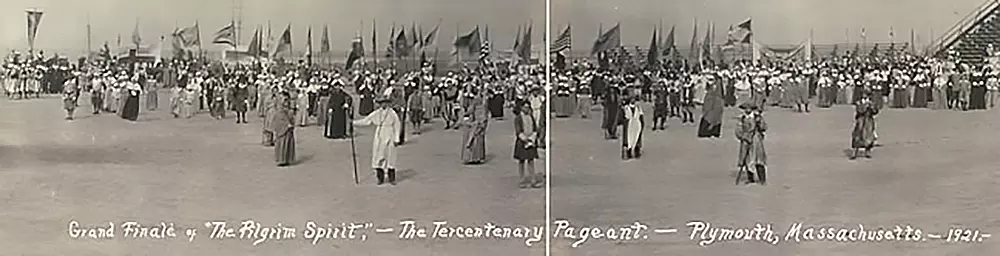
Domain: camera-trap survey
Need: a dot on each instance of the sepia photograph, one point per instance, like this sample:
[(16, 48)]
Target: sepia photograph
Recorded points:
[(253, 127), (770, 127)]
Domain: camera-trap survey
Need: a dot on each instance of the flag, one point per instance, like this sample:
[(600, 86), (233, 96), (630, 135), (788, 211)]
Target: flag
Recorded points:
[(285, 42), (484, 51), (402, 44), (694, 41), (357, 51), (324, 43), (189, 36), (653, 55), (254, 48), (390, 52), (226, 35), (470, 42), (836, 51), (524, 49), (563, 42), (119, 45), (432, 36), (863, 36), (34, 19), (415, 38), (668, 47), (857, 49), (892, 34), (608, 41), (309, 41), (136, 39), (706, 46), (517, 39)]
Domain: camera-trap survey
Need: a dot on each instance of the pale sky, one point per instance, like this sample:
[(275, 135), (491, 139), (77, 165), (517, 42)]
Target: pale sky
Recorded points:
[(774, 21), (63, 26)]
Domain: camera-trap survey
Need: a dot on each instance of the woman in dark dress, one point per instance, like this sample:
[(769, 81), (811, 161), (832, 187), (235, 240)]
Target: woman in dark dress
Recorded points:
[(335, 126), (367, 94), (131, 109), (921, 89), (525, 150), (240, 102), (977, 94), (711, 119), (496, 102)]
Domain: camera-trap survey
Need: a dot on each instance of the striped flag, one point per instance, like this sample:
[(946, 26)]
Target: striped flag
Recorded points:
[(226, 35), (34, 18), (563, 42), (484, 51)]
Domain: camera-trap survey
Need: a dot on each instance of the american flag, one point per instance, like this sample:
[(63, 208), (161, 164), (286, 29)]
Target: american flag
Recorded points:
[(484, 51), (564, 42)]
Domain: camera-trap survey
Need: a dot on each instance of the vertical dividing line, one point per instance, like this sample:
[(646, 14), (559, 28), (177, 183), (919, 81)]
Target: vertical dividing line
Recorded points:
[(548, 127)]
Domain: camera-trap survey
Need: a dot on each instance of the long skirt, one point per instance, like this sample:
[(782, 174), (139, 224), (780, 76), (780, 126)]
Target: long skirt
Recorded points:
[(900, 98), (324, 110), (827, 95), (475, 153), (218, 109), (521, 152), (939, 97), (842, 95), (583, 105), (706, 129), (335, 126), (152, 100), (920, 97), (130, 110), (284, 147), (992, 98), (563, 105), (977, 97), (496, 106)]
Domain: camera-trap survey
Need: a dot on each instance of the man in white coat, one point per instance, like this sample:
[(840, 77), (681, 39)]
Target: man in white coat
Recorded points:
[(386, 138)]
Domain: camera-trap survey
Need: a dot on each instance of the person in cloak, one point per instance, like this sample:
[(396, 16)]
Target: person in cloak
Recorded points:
[(264, 99), (661, 107), (612, 112), (525, 149), (474, 125), (339, 107), (130, 110), (70, 96), (863, 135), (415, 103), (240, 102), (711, 115), (750, 133), (217, 107), (632, 128), (282, 125), (385, 139)]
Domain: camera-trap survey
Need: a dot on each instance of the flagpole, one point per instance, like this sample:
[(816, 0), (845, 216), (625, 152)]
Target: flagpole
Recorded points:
[(374, 45)]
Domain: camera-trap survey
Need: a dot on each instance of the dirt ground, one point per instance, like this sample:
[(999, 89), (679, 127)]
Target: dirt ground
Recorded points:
[(100, 169), (936, 169)]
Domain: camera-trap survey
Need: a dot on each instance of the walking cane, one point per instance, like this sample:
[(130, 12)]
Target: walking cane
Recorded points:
[(354, 154), (739, 174)]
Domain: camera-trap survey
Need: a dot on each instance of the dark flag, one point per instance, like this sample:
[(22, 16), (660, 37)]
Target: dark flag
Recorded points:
[(357, 51), (254, 48), (524, 48), (402, 45), (668, 44), (608, 41), (285, 43), (653, 54), (470, 42)]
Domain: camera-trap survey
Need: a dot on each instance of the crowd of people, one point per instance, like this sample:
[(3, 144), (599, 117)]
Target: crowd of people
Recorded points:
[(676, 89), (287, 95)]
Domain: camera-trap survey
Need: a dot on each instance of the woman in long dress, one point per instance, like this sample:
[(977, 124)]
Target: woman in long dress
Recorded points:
[(70, 96), (130, 108), (385, 139), (336, 121), (711, 118), (939, 92), (633, 129), (302, 108), (750, 133), (152, 94), (176, 100), (525, 149), (474, 134), (283, 127), (863, 135), (268, 107)]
